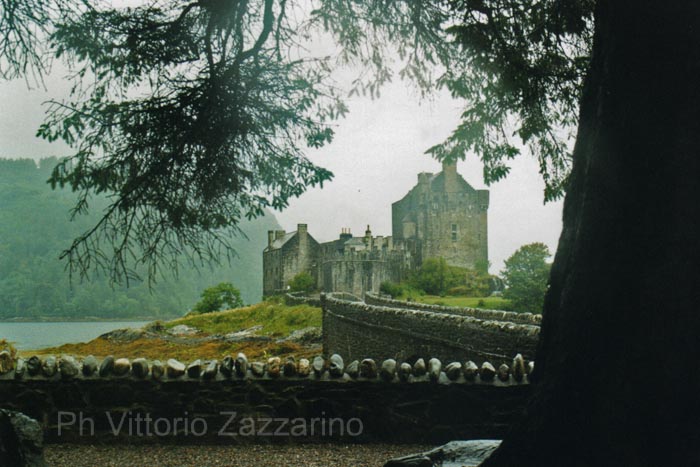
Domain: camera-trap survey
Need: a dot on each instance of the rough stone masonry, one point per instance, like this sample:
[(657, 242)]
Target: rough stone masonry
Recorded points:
[(442, 216), (235, 400), (383, 328)]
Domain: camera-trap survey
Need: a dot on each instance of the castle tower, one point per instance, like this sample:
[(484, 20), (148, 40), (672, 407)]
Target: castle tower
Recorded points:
[(444, 216), (286, 255)]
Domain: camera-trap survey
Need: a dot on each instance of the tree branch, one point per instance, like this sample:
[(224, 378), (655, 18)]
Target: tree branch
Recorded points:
[(268, 23)]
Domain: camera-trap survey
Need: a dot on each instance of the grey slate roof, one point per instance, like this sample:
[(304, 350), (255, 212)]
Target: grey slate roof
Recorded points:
[(279, 243)]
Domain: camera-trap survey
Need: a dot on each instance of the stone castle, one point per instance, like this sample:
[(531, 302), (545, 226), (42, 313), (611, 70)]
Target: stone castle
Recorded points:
[(442, 216)]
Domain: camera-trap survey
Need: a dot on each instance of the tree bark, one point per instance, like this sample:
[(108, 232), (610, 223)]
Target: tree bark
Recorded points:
[(617, 377)]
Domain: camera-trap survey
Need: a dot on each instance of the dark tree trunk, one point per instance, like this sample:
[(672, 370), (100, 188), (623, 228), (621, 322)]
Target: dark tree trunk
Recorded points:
[(618, 364)]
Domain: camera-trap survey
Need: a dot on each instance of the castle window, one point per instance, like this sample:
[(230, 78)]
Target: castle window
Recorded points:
[(454, 232)]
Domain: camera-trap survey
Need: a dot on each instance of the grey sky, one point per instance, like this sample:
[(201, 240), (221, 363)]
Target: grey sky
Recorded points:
[(375, 156)]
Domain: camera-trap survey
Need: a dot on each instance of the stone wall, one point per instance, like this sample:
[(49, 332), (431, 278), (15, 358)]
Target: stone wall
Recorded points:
[(355, 328), (354, 274), (335, 266), (495, 315), (298, 298), (356, 402)]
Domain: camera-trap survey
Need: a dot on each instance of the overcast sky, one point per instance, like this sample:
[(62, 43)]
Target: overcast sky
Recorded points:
[(377, 152)]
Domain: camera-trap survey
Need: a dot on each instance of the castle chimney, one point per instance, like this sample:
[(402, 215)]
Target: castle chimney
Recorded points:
[(303, 238), (449, 167), (279, 234), (345, 234), (270, 237), (449, 170)]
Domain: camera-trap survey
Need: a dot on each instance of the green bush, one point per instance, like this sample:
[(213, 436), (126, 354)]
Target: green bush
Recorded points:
[(481, 266), (460, 291), (221, 296), (302, 282), (478, 284), (391, 288), (435, 276)]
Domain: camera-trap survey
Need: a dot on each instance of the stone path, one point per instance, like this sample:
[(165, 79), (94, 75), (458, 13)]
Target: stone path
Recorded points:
[(309, 455)]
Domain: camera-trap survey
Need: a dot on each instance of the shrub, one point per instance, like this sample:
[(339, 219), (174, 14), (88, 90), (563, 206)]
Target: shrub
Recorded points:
[(460, 291), (391, 288), (302, 282), (481, 266), (478, 284), (223, 295), (435, 276)]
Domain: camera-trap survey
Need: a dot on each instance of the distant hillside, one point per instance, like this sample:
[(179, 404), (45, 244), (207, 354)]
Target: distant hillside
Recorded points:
[(35, 228)]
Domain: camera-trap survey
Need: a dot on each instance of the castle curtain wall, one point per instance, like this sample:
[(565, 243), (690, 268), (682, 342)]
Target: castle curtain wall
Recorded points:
[(352, 274)]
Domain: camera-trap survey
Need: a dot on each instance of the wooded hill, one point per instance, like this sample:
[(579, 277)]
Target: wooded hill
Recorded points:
[(35, 227)]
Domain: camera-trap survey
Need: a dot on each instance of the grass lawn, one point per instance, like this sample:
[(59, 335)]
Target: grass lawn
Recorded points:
[(489, 303)]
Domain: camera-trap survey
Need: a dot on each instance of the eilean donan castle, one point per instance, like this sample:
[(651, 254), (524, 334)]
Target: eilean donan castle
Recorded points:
[(442, 216)]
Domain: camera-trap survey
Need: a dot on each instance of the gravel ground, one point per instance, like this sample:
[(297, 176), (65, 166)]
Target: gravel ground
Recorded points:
[(310, 455)]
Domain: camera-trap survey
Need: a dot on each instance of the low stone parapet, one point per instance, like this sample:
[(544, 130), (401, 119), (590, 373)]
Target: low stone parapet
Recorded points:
[(356, 329), (299, 298), (222, 401), (480, 313)]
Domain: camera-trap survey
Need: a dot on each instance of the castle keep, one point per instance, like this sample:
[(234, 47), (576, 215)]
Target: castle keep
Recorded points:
[(442, 216)]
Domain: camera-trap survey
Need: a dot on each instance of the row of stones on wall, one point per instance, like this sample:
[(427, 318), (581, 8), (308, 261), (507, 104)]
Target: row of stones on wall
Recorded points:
[(298, 298), (333, 369), (493, 315), (457, 319)]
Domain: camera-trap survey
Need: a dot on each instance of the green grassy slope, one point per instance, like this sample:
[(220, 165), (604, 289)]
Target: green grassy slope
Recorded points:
[(276, 319)]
